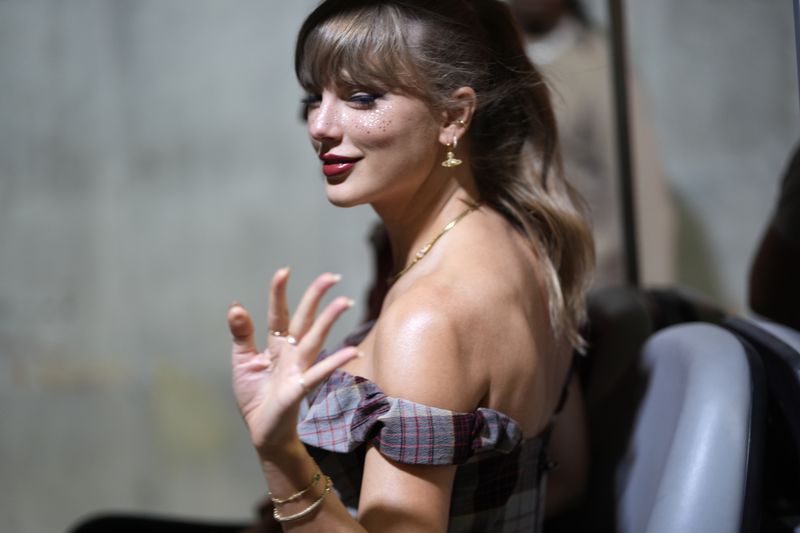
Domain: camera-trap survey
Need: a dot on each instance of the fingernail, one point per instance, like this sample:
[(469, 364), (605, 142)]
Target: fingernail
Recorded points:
[(285, 271), (336, 278), (350, 302), (359, 354), (234, 303)]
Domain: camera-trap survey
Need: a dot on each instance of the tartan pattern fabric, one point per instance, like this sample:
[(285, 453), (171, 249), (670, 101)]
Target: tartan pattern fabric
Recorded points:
[(499, 477), (348, 411)]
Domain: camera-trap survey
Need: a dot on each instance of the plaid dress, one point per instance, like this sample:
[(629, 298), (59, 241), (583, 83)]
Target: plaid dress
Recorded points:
[(499, 483)]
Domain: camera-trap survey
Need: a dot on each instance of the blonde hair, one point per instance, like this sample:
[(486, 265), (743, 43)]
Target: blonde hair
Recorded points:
[(428, 50)]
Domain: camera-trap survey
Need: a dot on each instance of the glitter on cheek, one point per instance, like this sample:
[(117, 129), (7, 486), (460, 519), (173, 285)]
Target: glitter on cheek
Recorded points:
[(386, 122), (375, 121)]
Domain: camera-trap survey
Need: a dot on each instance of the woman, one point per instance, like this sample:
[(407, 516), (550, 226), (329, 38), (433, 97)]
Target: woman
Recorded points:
[(433, 417)]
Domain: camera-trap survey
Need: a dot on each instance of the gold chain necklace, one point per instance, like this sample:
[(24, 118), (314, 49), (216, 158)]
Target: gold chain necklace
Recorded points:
[(427, 248)]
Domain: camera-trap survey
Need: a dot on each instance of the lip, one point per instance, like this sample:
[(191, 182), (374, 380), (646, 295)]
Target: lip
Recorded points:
[(334, 165)]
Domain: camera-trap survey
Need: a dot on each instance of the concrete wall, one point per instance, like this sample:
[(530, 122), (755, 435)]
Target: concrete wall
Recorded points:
[(722, 83), (153, 168)]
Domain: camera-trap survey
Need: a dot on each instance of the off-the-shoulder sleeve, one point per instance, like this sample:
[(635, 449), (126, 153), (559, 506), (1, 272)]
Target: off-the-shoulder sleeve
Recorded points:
[(348, 411)]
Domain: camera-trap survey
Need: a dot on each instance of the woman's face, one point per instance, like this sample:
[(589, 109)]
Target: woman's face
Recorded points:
[(373, 148)]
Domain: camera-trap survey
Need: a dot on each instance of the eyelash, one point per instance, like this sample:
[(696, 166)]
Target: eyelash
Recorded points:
[(311, 99), (360, 99), (364, 99)]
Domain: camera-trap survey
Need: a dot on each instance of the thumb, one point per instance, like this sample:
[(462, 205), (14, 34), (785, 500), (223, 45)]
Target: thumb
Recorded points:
[(241, 326)]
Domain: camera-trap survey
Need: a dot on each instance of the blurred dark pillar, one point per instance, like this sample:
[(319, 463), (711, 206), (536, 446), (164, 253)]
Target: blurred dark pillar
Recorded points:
[(626, 178), (797, 41)]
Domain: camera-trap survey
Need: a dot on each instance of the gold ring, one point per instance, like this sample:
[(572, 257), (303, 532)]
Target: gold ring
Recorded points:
[(291, 340), (301, 380)]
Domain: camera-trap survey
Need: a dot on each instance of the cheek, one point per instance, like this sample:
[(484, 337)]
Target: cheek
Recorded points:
[(386, 128), (375, 126)]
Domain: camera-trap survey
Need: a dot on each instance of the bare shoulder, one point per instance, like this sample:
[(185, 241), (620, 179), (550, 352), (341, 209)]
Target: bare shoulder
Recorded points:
[(419, 350), (470, 326)]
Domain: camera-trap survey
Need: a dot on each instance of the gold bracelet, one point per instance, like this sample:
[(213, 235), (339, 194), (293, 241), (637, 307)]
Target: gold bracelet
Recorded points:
[(314, 480), (308, 510)]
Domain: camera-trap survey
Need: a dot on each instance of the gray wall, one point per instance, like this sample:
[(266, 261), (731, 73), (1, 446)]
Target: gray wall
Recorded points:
[(153, 168), (722, 83)]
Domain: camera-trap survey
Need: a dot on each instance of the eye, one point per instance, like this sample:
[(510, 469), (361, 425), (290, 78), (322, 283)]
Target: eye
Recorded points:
[(363, 99), (311, 100)]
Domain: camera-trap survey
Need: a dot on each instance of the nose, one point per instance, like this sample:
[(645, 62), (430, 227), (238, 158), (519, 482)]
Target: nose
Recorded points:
[(323, 119)]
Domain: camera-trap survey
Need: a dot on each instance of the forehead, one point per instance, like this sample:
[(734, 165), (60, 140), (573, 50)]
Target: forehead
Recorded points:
[(357, 50)]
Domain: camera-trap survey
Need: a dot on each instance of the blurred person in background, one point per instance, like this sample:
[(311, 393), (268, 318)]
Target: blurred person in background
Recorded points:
[(775, 272), (574, 57)]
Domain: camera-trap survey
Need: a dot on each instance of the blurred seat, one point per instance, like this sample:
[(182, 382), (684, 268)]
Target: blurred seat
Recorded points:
[(779, 349), (619, 324), (693, 462), (630, 396)]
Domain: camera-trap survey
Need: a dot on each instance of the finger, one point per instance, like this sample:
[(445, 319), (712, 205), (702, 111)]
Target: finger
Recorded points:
[(241, 326), (307, 309), (322, 370), (312, 342), (278, 313)]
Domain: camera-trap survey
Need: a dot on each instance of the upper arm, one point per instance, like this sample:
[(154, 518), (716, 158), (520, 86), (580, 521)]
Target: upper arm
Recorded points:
[(418, 357), (401, 497)]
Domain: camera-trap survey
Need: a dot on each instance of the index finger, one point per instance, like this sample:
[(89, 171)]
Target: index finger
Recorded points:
[(303, 317)]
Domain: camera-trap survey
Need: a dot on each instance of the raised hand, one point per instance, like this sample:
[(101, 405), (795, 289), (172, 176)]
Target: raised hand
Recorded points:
[(269, 385)]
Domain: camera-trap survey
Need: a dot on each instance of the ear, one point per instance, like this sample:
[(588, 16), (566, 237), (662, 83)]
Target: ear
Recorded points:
[(457, 119)]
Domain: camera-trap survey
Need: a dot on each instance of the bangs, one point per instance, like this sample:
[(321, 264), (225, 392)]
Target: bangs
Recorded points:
[(367, 48)]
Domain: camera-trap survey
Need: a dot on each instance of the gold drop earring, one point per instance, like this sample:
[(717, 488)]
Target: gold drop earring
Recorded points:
[(451, 160)]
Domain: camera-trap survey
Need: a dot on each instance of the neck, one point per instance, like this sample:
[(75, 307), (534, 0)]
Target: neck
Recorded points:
[(422, 216)]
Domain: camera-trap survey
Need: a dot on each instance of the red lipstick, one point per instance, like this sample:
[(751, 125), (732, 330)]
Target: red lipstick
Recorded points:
[(333, 164)]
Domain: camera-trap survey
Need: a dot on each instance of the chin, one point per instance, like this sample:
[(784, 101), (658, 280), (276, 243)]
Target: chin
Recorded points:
[(343, 200), (342, 203)]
